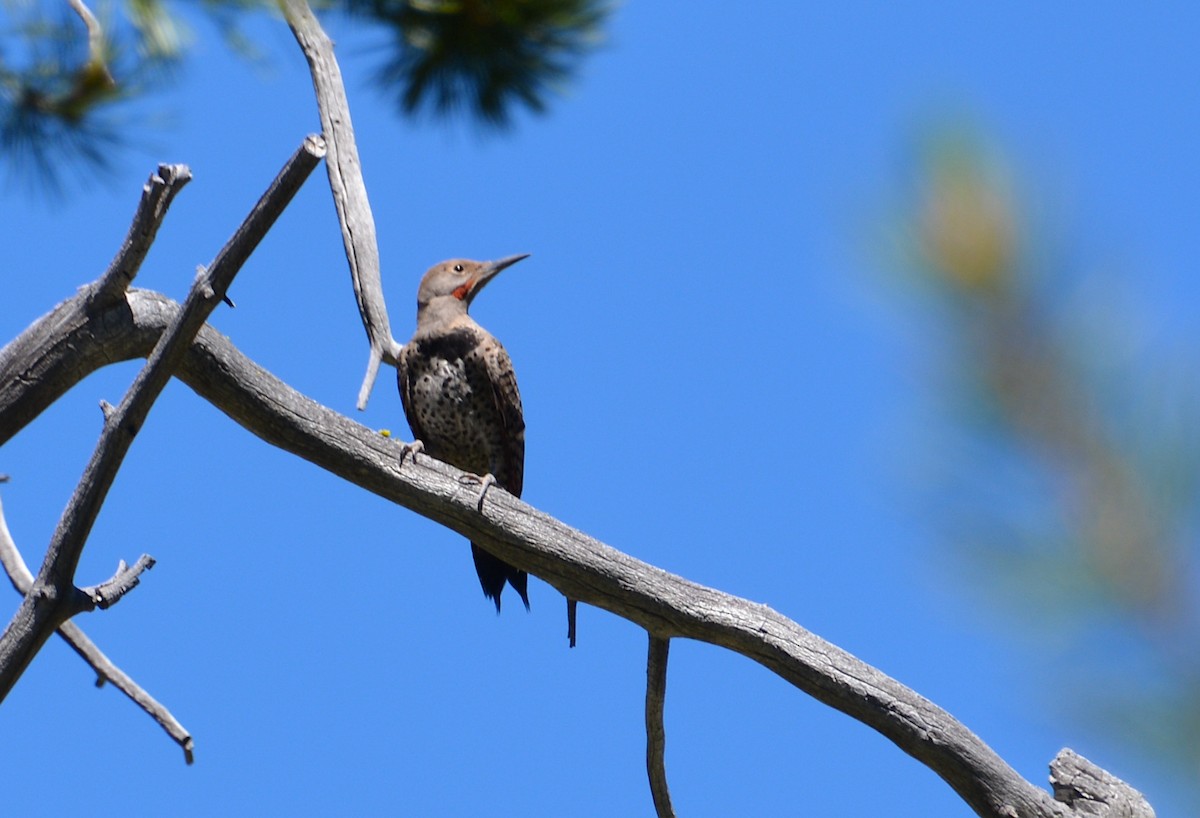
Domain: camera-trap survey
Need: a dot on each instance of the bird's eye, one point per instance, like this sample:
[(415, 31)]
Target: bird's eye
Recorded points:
[(458, 268)]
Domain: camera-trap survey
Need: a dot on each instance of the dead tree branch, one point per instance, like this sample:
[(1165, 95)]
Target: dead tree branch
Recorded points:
[(157, 195), (574, 563), (73, 635), (656, 734), (97, 61), (53, 598), (109, 592), (349, 189), (1089, 790)]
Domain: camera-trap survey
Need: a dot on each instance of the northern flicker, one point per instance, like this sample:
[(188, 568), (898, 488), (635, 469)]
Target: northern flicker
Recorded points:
[(460, 395)]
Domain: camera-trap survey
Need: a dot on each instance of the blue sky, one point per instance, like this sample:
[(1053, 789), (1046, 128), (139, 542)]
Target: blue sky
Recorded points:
[(718, 379)]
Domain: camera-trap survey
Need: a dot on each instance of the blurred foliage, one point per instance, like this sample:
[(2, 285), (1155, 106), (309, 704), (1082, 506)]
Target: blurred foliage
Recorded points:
[(60, 88), (47, 107), (1066, 465), (482, 55)]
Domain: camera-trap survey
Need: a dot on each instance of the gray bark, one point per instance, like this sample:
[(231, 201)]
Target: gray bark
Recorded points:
[(348, 187), (656, 734), (54, 597), (70, 342), (106, 670)]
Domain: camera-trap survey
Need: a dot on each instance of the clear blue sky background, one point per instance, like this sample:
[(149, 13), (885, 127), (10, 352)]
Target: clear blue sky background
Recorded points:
[(717, 377)]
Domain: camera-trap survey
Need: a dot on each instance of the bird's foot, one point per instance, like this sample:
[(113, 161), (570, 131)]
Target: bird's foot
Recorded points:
[(485, 482), (411, 450)]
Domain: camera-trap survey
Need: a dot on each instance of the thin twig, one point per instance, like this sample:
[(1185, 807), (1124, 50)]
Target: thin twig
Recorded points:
[(374, 358), (656, 736), (10, 558), (96, 55), (109, 592), (157, 194), (53, 598), (349, 189), (106, 671)]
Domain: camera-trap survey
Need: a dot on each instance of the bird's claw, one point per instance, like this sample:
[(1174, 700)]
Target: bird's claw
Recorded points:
[(411, 450), (485, 482)]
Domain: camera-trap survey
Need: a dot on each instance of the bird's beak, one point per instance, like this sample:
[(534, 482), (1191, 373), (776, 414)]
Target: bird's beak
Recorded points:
[(491, 270)]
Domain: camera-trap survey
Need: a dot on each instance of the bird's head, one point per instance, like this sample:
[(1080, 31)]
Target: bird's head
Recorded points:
[(450, 287)]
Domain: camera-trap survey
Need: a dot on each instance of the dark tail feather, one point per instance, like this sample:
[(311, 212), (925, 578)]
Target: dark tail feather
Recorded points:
[(494, 572), (519, 580), (571, 604)]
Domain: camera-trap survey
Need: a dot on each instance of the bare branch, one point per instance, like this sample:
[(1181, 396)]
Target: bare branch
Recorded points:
[(95, 39), (122, 425), (577, 565), (349, 189), (157, 195), (109, 592), (10, 558), (107, 671), (53, 598), (73, 635), (656, 735), (1090, 790), (364, 391)]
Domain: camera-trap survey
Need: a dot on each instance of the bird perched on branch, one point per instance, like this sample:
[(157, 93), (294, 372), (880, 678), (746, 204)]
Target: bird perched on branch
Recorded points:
[(460, 395)]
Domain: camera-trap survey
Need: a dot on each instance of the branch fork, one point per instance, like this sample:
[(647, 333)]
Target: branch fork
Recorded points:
[(109, 592), (51, 598)]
